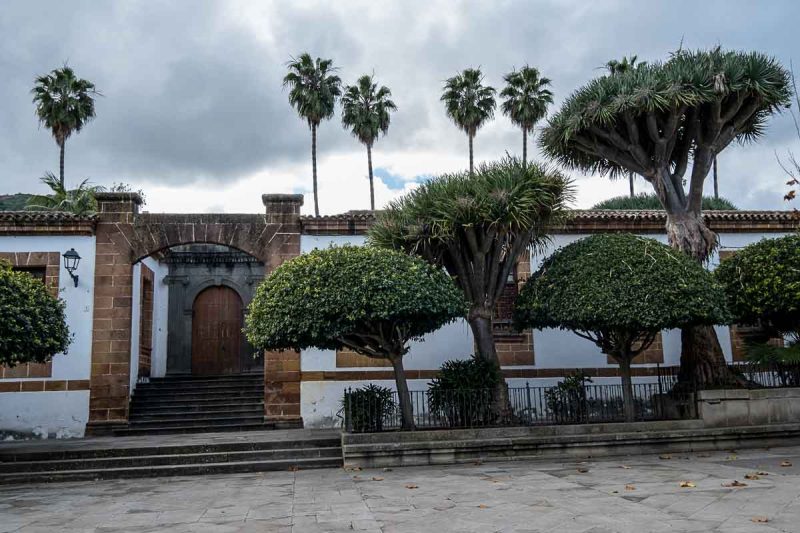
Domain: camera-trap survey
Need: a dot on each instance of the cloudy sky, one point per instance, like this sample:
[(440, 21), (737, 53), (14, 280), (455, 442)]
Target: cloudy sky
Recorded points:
[(194, 114)]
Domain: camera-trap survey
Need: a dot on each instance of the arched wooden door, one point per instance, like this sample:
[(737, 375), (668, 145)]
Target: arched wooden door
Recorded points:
[(216, 332)]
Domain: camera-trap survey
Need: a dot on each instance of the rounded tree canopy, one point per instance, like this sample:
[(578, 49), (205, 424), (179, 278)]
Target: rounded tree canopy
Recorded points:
[(620, 282), (762, 282), (501, 199), (651, 202), (639, 105), (32, 325), (325, 295)]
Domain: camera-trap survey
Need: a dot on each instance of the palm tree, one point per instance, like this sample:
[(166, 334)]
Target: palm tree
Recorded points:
[(365, 110), (614, 67), (526, 98), (469, 103), (79, 201), (313, 90), (64, 104)]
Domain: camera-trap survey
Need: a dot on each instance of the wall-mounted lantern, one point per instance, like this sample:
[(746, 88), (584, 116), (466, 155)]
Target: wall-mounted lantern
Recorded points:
[(71, 260)]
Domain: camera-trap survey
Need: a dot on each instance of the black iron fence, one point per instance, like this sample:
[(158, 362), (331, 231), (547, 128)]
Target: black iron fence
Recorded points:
[(528, 406), (573, 401)]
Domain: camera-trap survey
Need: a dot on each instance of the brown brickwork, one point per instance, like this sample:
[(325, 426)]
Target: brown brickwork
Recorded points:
[(514, 348), (48, 263), (652, 355), (282, 387), (145, 321), (346, 358), (742, 335)]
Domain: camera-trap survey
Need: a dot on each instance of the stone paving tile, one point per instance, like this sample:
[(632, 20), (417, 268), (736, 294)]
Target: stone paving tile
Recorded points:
[(513, 497)]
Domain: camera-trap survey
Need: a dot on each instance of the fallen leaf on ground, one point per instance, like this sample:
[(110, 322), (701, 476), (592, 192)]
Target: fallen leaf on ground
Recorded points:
[(614, 492), (377, 478), (759, 519), (786, 463), (356, 477), (734, 483), (687, 485), (762, 473), (387, 469), (751, 477), (294, 468), (411, 486), (630, 487), (625, 467), (482, 506), (582, 470), (731, 457), (352, 468), (665, 456)]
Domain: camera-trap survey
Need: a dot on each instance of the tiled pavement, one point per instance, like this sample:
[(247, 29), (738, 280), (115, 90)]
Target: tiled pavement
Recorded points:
[(588, 497)]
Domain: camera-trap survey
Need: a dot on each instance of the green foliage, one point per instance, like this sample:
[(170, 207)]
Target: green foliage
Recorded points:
[(762, 283), (526, 97), (79, 201), (32, 325), (620, 282), (366, 109), (624, 65), (462, 392), (651, 202), (313, 88), (365, 409), (468, 102), (690, 84), (14, 202), (567, 401), (367, 297), (502, 203), (64, 102)]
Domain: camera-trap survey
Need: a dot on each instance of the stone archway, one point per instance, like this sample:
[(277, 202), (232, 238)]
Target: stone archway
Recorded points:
[(125, 236)]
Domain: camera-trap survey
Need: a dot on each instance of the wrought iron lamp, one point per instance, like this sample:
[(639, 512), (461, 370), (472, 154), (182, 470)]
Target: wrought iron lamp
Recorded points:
[(71, 260)]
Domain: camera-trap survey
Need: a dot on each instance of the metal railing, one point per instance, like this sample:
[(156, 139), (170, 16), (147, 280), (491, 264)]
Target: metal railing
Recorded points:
[(528, 406)]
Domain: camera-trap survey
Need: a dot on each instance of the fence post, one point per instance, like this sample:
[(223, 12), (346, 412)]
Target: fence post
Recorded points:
[(348, 415), (528, 397)]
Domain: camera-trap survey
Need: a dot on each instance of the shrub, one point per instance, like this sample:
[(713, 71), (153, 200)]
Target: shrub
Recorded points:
[(646, 201), (32, 323), (367, 408), (463, 392), (567, 400)]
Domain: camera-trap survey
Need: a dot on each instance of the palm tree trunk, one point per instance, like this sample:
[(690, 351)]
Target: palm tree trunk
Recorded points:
[(716, 183), (524, 146), (371, 188), (61, 164), (471, 166), (630, 179), (314, 166)]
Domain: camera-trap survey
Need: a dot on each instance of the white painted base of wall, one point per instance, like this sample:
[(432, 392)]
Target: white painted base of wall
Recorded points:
[(44, 414)]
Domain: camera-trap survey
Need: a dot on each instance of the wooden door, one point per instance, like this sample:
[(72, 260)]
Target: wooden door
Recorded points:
[(216, 332)]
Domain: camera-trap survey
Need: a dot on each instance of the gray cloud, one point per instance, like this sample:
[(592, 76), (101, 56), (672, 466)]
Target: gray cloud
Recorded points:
[(192, 88)]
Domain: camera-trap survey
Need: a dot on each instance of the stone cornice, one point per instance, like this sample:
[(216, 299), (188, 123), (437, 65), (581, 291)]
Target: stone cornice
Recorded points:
[(589, 221)]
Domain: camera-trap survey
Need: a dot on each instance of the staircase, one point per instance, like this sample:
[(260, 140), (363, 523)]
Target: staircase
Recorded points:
[(168, 455), (189, 404)]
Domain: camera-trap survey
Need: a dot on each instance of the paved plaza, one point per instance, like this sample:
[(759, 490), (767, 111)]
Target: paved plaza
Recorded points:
[(632, 494)]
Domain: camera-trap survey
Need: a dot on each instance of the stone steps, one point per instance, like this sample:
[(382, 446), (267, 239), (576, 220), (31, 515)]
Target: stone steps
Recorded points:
[(186, 404), (107, 461)]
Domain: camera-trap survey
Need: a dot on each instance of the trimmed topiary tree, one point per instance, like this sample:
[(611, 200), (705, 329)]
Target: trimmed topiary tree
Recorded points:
[(651, 202), (370, 300), (32, 323), (612, 289), (476, 226), (762, 283)]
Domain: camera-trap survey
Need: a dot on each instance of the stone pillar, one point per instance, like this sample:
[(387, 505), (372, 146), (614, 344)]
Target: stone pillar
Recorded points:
[(113, 284), (282, 369)]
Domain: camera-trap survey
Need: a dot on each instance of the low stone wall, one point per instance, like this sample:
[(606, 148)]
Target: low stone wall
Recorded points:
[(576, 442), (725, 408)]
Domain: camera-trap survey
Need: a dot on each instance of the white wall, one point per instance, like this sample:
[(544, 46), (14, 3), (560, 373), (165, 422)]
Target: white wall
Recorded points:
[(158, 356), (58, 413)]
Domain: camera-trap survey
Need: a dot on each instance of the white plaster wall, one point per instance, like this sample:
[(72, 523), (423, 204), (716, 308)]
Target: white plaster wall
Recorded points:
[(58, 413), (158, 357), (76, 363), (54, 414)]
